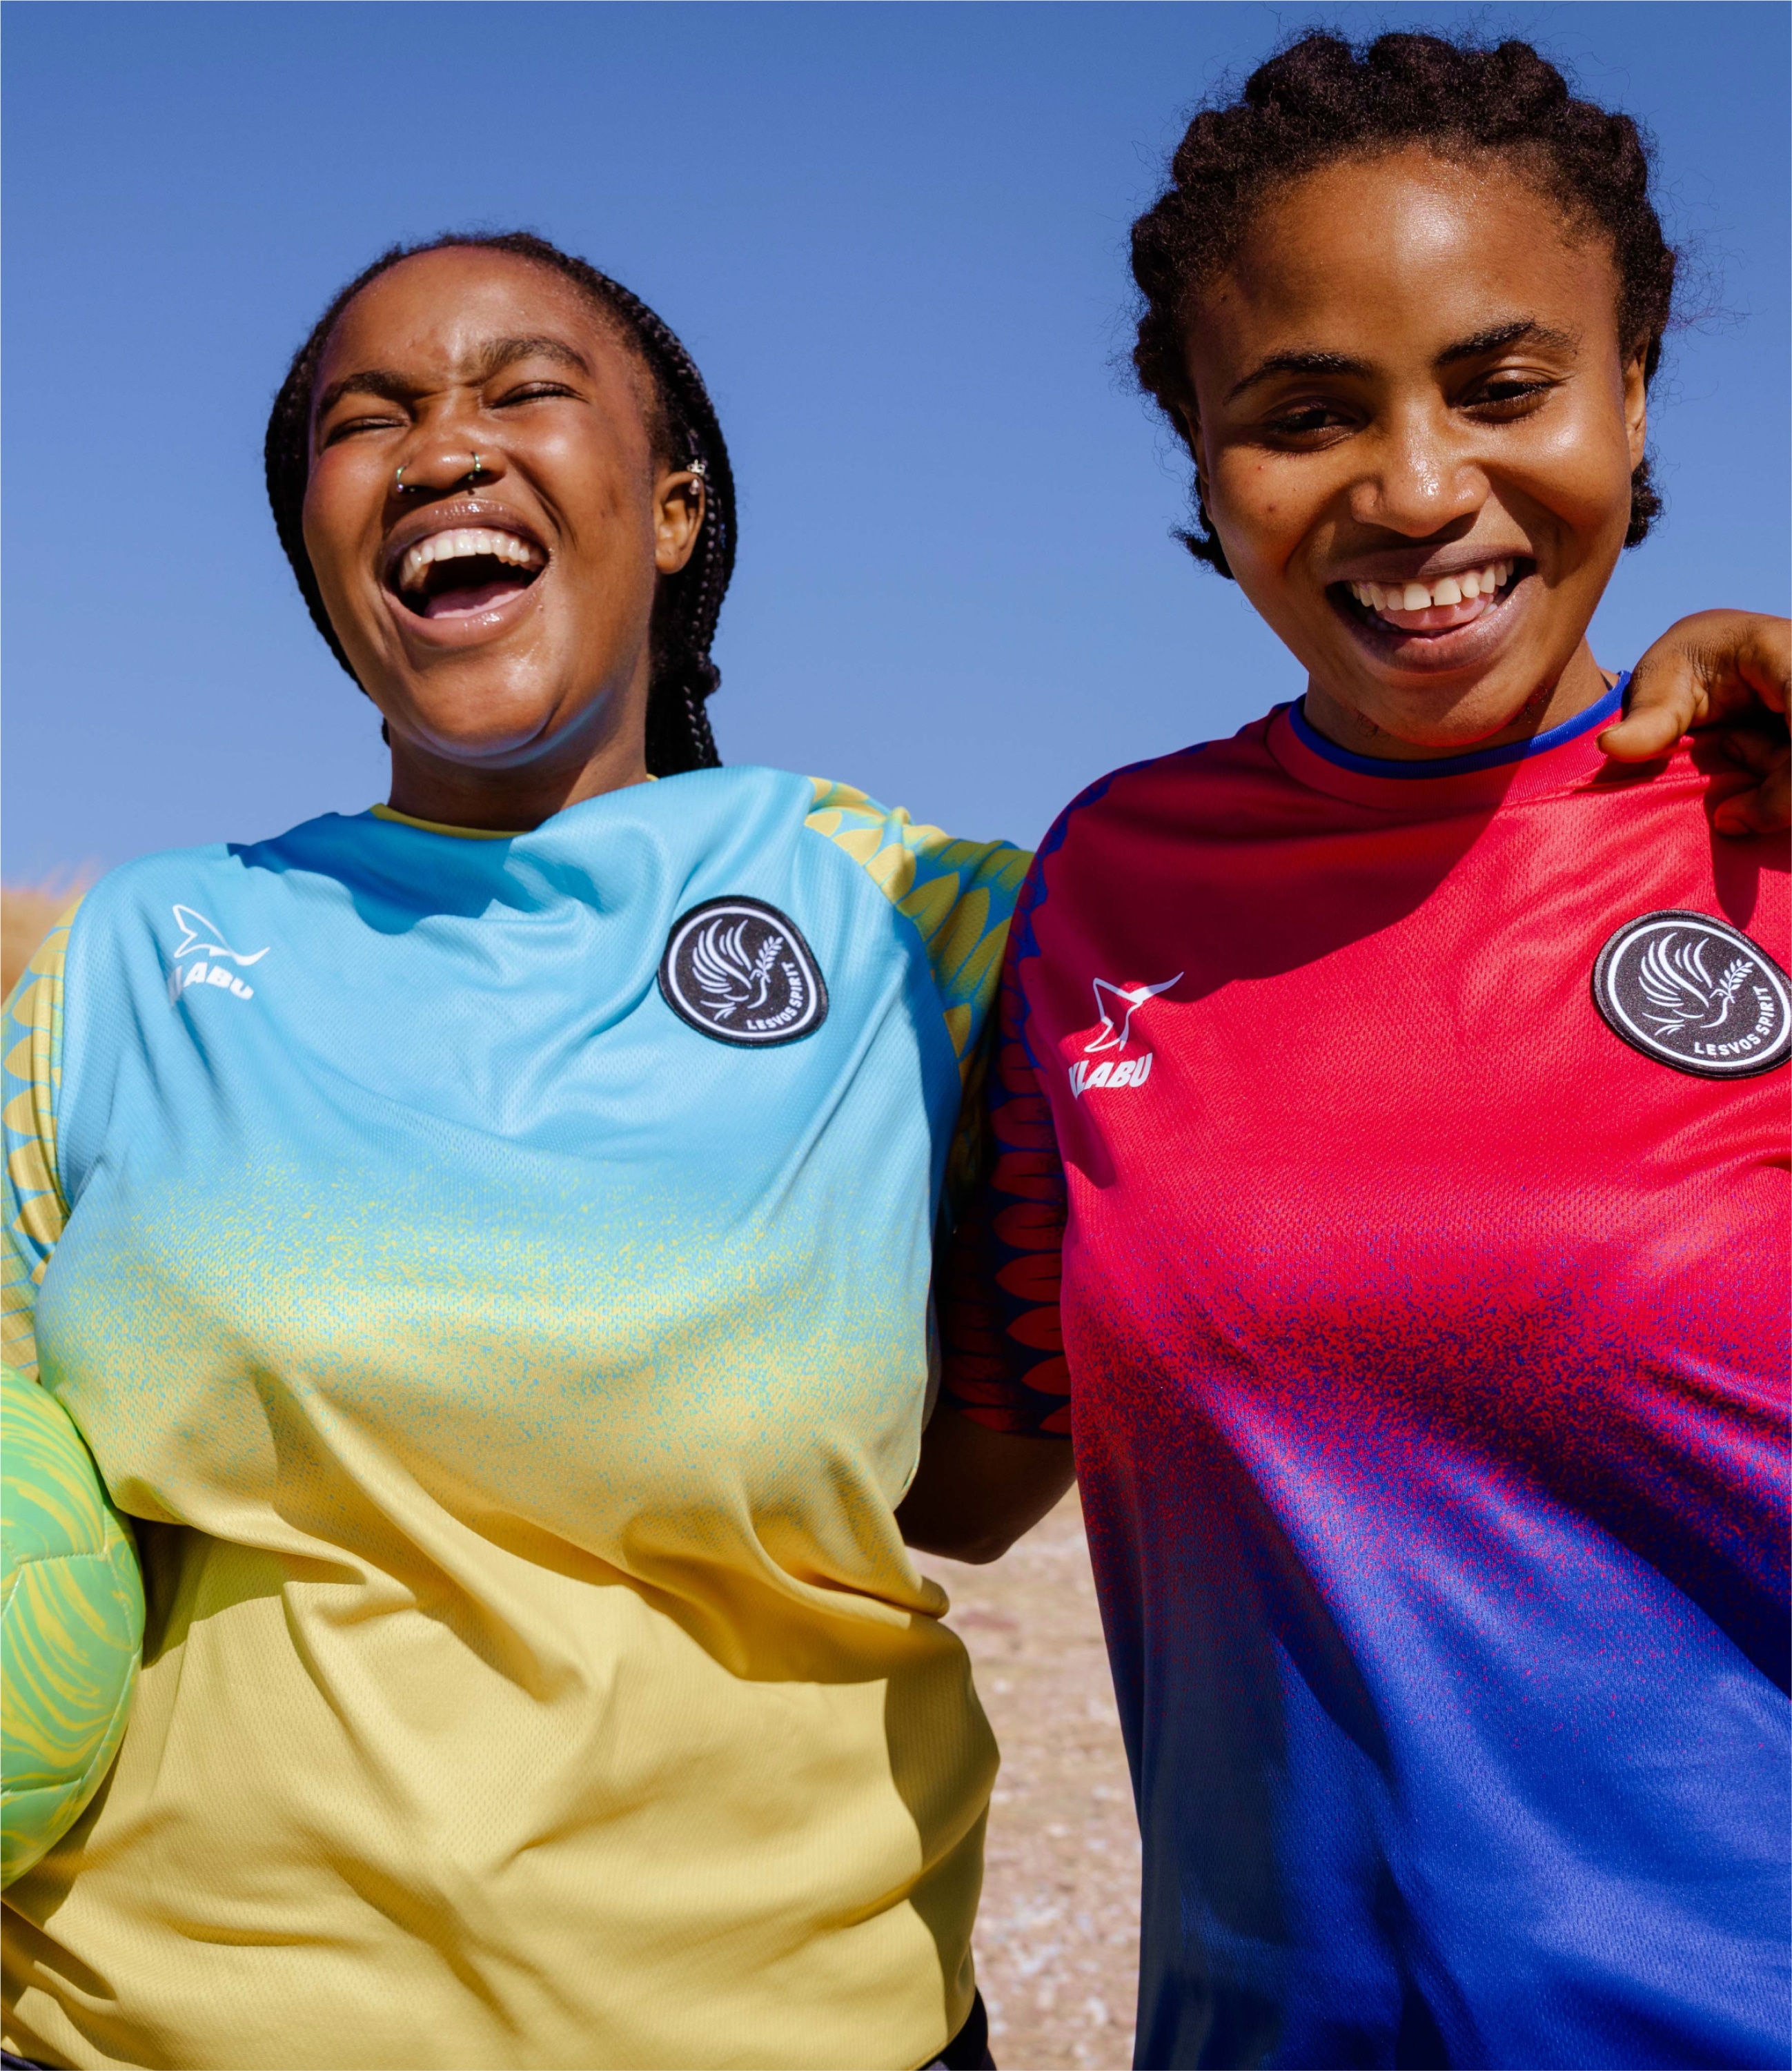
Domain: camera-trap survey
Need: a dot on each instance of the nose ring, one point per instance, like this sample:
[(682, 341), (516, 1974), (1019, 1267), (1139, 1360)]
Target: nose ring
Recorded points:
[(400, 487)]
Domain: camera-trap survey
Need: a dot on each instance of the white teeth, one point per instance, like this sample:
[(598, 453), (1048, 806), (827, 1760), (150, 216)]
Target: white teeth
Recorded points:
[(456, 546), (1472, 583)]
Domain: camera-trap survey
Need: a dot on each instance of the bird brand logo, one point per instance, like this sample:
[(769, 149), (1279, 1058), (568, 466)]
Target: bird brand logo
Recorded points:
[(1696, 994), (203, 941), (739, 970), (1125, 1000)]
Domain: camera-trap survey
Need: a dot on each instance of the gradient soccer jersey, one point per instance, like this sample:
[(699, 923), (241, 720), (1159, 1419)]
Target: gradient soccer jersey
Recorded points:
[(496, 1272), (1423, 1338)]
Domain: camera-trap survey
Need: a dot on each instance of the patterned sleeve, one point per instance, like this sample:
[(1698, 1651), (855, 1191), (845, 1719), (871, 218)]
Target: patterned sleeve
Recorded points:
[(959, 895), (1004, 1363), (35, 1208)]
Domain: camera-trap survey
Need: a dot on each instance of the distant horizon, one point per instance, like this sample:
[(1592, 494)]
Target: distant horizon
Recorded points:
[(894, 238)]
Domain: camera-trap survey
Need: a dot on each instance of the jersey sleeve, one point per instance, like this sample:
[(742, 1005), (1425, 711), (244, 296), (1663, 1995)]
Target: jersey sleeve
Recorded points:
[(34, 1208), (1004, 1363), (960, 895)]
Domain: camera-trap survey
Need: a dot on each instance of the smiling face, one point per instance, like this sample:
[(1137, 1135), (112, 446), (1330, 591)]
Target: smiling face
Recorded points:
[(499, 621), (1415, 426)]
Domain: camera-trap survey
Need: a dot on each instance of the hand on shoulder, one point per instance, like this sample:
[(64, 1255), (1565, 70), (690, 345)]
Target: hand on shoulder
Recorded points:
[(1727, 671)]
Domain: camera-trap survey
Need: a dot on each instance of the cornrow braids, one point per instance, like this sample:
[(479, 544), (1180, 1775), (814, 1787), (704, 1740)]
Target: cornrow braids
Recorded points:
[(685, 433), (1320, 100)]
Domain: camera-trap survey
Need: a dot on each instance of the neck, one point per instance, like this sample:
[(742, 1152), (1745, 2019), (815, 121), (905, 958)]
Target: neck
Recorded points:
[(1580, 685)]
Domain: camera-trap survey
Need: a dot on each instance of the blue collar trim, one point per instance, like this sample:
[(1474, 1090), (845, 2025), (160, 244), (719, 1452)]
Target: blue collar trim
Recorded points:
[(1609, 707)]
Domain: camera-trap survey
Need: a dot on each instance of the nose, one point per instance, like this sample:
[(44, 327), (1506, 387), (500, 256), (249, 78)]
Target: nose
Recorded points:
[(434, 470), (1420, 482)]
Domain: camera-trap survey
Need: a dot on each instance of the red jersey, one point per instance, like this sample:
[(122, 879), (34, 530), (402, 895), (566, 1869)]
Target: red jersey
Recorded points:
[(1412, 1141)]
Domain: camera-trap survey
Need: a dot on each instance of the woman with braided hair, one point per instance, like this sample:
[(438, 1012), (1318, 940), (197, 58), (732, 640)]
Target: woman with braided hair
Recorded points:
[(1389, 1200), (486, 1242)]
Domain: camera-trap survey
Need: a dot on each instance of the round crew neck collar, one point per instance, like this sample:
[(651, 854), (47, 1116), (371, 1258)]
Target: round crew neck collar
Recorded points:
[(1563, 754), (441, 828)]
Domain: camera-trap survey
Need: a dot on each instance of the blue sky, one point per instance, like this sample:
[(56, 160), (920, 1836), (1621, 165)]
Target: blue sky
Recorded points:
[(894, 238)]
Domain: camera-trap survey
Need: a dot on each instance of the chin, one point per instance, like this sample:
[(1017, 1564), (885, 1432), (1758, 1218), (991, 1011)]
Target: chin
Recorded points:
[(487, 733)]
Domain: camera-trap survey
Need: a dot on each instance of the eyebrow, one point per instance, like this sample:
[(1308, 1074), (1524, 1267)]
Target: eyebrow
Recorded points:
[(1297, 362), (396, 387), (1498, 337), (1480, 345)]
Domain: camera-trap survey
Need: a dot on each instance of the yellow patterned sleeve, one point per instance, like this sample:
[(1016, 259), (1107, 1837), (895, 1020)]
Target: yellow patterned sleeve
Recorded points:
[(960, 895), (34, 1208)]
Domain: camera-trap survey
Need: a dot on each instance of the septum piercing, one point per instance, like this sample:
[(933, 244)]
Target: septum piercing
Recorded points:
[(400, 487)]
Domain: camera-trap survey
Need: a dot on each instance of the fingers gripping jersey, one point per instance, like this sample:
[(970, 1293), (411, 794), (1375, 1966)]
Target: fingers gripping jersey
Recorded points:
[(1413, 1150), (494, 1274)]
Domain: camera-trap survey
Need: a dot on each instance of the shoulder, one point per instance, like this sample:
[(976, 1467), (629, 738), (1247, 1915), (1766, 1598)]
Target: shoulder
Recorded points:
[(941, 883), (1168, 791), (158, 907), (902, 857), (958, 895)]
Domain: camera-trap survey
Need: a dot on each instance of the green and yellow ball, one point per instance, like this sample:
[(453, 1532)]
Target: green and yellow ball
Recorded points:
[(71, 1624)]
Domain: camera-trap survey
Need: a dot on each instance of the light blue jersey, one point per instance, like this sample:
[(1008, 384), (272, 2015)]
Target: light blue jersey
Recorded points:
[(496, 1270)]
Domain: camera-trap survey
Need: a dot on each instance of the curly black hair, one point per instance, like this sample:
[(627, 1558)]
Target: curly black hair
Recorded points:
[(1322, 100), (685, 433)]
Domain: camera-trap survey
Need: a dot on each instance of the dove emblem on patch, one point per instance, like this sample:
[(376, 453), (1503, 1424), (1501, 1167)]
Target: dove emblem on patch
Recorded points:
[(1694, 993), (732, 974), (739, 970)]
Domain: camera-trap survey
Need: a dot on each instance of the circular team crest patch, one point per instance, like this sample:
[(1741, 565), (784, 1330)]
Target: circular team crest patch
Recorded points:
[(1696, 994), (739, 970)]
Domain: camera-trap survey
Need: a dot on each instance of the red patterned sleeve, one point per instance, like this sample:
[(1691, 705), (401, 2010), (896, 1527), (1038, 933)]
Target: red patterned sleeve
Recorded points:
[(1004, 1363)]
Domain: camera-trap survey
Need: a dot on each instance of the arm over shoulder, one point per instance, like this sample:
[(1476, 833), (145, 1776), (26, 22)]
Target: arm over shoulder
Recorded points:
[(995, 1459), (960, 896)]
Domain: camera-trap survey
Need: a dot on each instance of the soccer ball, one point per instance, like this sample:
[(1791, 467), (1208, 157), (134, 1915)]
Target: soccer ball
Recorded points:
[(71, 1624)]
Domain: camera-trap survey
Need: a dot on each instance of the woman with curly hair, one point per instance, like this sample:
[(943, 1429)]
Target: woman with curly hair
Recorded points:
[(1389, 1194)]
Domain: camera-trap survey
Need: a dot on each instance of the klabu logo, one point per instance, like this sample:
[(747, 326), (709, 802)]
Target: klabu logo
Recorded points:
[(1084, 1077), (740, 971), (197, 933), (1695, 994)]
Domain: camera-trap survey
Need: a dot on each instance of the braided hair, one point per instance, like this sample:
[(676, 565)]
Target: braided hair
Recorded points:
[(684, 431), (1320, 100)]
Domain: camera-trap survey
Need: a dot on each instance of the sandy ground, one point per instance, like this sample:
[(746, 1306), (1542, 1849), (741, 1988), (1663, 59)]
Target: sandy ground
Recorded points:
[(1057, 1938)]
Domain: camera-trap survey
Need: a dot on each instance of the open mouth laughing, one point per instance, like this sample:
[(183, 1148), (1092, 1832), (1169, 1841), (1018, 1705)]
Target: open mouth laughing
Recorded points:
[(1435, 618), (462, 563)]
